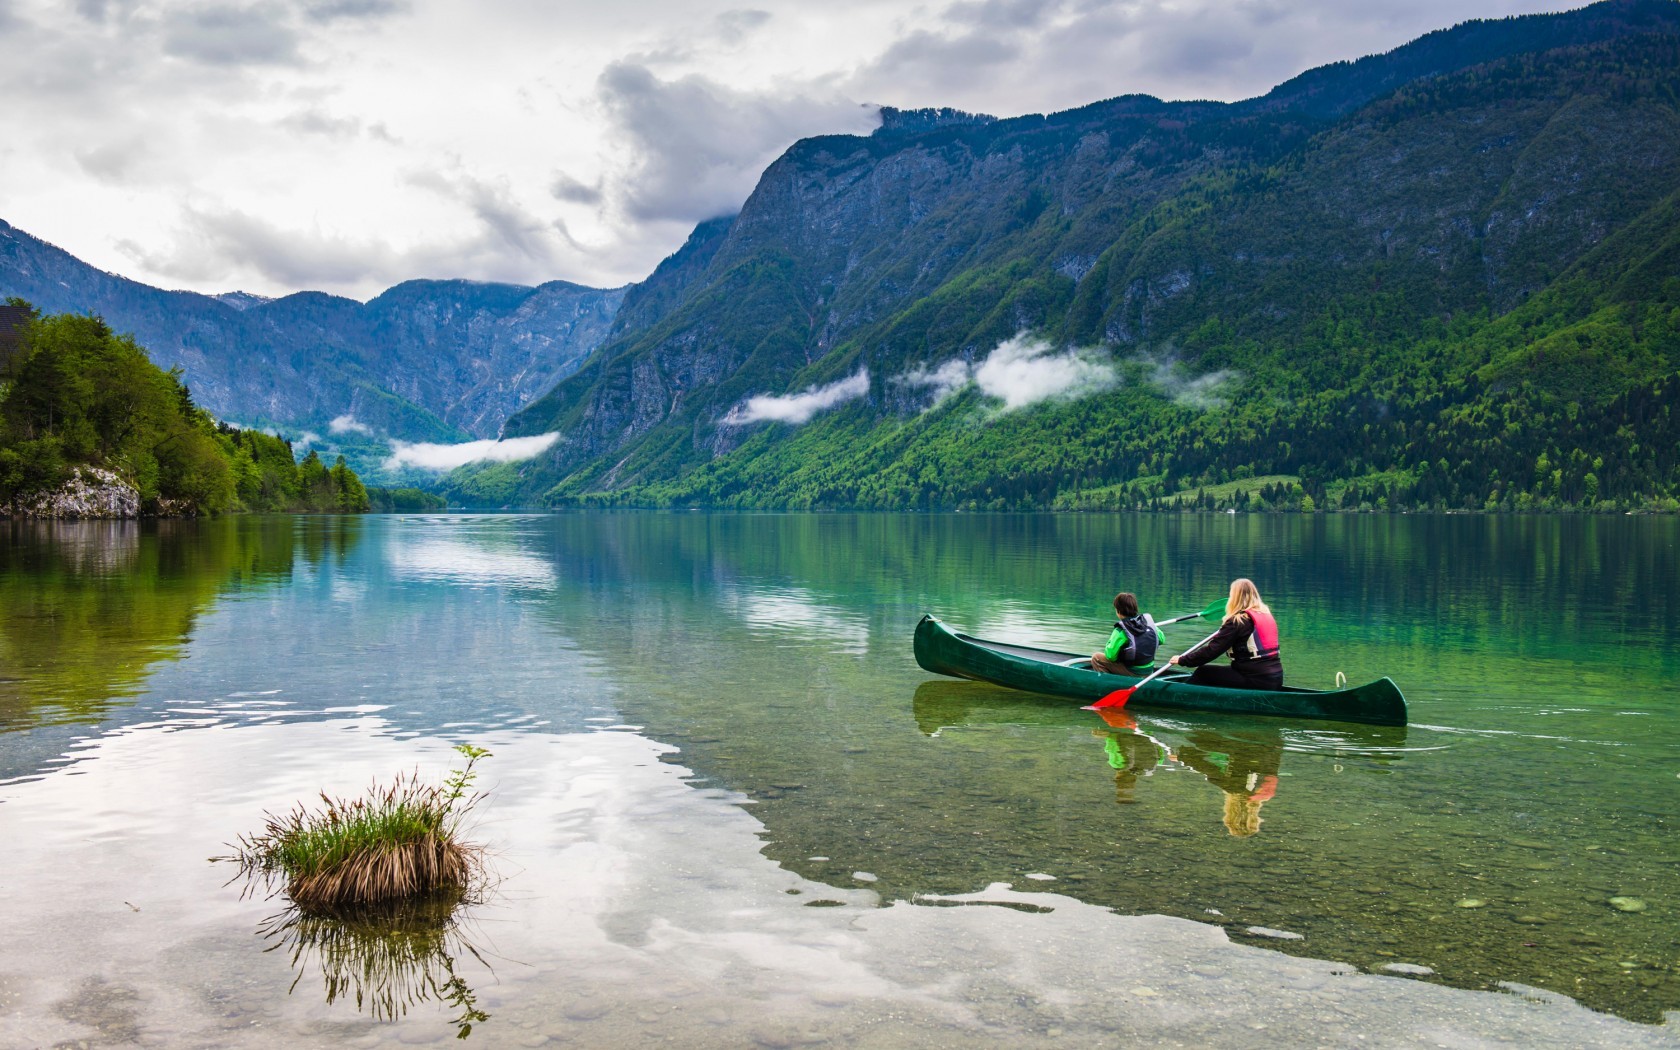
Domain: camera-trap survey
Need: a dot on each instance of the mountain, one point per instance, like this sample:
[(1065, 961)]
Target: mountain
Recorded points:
[(1442, 276), (426, 360)]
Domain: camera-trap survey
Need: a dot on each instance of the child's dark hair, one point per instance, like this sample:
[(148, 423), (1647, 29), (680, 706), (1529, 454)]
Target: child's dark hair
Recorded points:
[(1125, 603)]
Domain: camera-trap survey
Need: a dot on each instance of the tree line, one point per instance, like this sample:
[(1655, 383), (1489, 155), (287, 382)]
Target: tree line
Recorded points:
[(74, 393)]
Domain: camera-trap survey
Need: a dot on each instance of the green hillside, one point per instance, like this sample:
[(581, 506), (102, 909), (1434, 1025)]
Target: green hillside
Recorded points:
[(1446, 277)]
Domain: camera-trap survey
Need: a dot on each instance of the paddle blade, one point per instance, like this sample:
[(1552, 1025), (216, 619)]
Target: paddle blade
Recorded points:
[(1117, 698)]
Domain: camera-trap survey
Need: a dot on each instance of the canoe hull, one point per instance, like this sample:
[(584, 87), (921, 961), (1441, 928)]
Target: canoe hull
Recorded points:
[(943, 651)]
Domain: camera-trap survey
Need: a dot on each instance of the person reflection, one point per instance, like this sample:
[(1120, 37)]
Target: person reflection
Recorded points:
[(1244, 766), (1131, 754)]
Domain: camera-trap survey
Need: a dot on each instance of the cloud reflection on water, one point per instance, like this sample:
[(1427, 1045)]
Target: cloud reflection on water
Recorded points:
[(798, 611), (467, 561), (639, 908)]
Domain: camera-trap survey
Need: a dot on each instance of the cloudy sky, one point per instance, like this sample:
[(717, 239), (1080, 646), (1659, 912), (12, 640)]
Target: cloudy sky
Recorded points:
[(346, 145)]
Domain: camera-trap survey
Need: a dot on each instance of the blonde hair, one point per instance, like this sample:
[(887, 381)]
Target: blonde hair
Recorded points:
[(1242, 814), (1244, 596)]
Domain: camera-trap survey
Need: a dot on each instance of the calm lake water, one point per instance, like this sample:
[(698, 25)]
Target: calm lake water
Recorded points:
[(726, 807)]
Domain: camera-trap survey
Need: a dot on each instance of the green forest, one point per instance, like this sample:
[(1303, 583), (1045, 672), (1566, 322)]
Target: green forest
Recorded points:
[(73, 393)]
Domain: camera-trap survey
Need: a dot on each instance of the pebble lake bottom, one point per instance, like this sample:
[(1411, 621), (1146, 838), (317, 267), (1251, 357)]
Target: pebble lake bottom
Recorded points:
[(726, 809)]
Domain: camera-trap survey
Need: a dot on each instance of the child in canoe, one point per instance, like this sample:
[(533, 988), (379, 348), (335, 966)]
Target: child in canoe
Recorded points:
[(1132, 644), (1250, 635)]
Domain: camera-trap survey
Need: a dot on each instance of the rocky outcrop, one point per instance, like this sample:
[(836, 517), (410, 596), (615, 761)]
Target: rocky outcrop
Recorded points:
[(91, 492)]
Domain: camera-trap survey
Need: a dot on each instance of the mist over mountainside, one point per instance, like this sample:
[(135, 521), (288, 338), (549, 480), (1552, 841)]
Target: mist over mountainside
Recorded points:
[(1444, 276), (424, 361)]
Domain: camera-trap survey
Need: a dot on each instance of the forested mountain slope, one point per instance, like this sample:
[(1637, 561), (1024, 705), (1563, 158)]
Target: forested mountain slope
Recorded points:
[(426, 360), (1444, 276)]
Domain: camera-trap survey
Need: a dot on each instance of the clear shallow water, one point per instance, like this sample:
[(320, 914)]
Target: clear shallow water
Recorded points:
[(704, 723)]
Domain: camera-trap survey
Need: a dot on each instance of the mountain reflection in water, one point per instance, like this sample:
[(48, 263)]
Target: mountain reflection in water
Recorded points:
[(88, 609)]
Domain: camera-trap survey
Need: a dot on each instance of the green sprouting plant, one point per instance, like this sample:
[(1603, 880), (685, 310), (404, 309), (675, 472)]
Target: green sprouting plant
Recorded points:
[(460, 779)]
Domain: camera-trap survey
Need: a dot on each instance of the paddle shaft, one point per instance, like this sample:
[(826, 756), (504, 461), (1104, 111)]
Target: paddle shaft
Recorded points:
[(1158, 672), (1214, 608)]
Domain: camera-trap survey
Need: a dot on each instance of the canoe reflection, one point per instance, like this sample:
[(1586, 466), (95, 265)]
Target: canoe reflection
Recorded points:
[(1239, 755), (389, 958)]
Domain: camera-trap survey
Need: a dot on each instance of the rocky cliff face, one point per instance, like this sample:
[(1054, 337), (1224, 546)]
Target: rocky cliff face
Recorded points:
[(842, 233), (425, 360)]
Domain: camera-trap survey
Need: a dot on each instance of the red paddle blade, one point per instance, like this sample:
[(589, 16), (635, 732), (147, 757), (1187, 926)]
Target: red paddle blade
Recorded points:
[(1117, 698)]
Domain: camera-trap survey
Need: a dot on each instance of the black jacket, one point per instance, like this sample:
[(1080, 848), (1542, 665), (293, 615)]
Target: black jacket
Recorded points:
[(1235, 636)]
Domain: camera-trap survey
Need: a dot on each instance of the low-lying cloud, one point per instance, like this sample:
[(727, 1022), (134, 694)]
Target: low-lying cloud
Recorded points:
[(798, 408), (1205, 392), (348, 424), (448, 457), (1021, 371), (944, 381)]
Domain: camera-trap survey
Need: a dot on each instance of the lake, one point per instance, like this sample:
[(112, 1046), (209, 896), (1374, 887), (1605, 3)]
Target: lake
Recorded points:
[(726, 808)]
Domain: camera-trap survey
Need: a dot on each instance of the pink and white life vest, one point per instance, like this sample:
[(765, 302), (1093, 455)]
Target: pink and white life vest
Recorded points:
[(1263, 642)]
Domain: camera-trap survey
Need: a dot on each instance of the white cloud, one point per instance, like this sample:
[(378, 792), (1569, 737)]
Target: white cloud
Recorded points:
[(1021, 371), (694, 147), (798, 408), (347, 424), (448, 457), (348, 145), (226, 35)]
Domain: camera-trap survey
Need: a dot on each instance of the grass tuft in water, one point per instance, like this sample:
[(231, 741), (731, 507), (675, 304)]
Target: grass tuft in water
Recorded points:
[(400, 841)]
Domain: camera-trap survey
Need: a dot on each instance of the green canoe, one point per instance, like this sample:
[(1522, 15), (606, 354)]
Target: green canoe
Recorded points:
[(943, 651)]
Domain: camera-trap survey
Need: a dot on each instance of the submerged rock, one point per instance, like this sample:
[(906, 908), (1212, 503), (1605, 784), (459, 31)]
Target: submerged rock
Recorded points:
[(1413, 969)]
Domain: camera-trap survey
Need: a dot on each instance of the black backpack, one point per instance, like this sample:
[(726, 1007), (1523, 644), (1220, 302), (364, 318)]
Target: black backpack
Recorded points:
[(1142, 641)]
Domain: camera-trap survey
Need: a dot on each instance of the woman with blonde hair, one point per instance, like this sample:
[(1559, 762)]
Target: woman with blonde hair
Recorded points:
[(1250, 635)]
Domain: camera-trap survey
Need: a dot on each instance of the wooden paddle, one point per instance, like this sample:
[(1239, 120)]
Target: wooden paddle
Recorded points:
[(1119, 697)]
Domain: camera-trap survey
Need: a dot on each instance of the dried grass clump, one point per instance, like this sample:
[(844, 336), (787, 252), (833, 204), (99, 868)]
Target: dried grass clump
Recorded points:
[(399, 842)]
